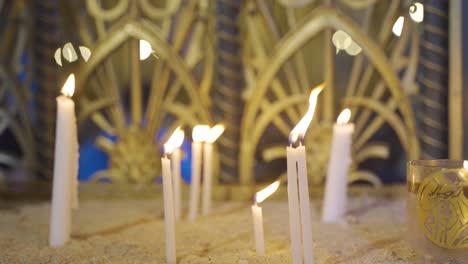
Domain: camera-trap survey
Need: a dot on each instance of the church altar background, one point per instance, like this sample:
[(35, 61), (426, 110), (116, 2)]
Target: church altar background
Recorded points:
[(248, 64)]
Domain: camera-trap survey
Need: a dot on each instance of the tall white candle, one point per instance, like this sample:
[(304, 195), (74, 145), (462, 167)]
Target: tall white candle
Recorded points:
[(207, 177), (169, 215), (168, 211), (60, 217), (334, 203), (293, 203), (257, 216), (75, 161), (198, 134), (304, 205), (214, 133), (176, 180), (298, 190)]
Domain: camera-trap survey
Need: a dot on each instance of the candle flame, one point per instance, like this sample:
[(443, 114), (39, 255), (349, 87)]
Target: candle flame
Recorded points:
[(300, 129), (200, 132), (69, 87), (215, 133), (465, 164), (174, 141), (266, 192), (344, 117)]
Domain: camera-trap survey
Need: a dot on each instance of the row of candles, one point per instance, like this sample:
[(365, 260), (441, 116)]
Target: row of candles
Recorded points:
[(203, 139), (65, 184)]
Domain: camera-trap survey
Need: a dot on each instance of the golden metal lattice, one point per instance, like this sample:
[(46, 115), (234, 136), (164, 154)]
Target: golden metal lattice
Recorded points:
[(279, 78), (162, 92), (15, 96)]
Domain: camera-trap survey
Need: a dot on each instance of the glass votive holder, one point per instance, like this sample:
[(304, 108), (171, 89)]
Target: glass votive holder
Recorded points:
[(437, 209)]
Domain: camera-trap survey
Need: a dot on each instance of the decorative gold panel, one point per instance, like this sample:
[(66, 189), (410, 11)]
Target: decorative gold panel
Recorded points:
[(132, 100), (15, 96), (288, 50)]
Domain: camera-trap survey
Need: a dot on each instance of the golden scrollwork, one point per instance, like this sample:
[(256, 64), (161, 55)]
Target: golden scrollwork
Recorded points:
[(282, 67), (118, 10), (131, 100), (443, 208), (15, 94)]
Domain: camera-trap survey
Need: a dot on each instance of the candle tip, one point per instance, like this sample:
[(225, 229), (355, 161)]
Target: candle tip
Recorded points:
[(174, 141), (300, 129), (200, 132), (69, 87), (214, 133), (344, 117), (266, 192)]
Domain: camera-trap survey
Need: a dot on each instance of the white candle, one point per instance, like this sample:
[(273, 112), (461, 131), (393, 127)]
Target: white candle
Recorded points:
[(334, 203), (176, 178), (213, 135), (257, 216), (60, 217), (75, 161), (207, 167), (168, 211), (169, 216), (298, 187), (293, 203), (198, 134)]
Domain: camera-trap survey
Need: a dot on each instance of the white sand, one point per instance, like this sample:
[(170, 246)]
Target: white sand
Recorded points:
[(132, 231)]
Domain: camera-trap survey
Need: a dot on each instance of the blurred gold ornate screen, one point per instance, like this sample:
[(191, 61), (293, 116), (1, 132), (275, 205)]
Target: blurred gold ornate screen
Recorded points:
[(286, 50), (282, 74)]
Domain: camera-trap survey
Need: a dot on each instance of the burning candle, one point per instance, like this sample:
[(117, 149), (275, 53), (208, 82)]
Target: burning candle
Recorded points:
[(65, 166), (199, 134), (214, 133), (172, 143), (176, 181), (298, 187), (334, 203), (258, 216)]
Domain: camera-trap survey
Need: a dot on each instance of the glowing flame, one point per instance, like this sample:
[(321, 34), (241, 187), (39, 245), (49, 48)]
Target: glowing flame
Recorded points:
[(416, 12), (398, 26), (265, 193), (174, 141), (69, 87), (215, 133), (200, 132), (300, 129), (145, 49), (465, 164), (344, 117)]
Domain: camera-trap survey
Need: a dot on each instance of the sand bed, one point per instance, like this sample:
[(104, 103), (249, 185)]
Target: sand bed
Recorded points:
[(132, 231)]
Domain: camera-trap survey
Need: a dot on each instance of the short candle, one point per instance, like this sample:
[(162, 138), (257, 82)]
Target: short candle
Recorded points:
[(214, 133), (257, 215), (199, 134), (334, 202)]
